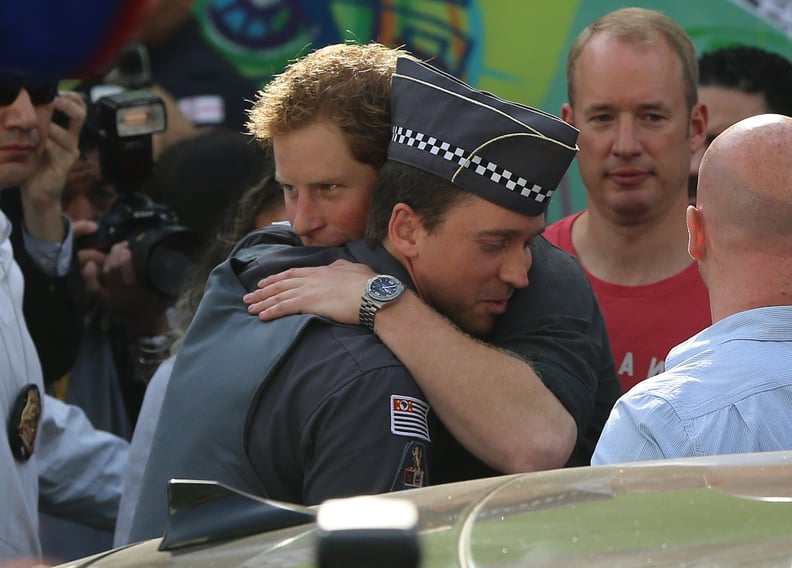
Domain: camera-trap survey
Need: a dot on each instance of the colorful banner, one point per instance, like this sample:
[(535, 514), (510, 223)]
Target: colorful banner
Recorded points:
[(515, 49)]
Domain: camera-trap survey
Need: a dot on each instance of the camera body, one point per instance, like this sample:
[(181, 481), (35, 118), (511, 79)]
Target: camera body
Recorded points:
[(162, 250), (122, 119)]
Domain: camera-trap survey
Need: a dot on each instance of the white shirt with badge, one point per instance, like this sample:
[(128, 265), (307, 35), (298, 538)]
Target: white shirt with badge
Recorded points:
[(19, 366), (53, 441)]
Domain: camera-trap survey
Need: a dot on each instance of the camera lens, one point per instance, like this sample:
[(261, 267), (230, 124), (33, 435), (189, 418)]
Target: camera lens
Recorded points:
[(162, 258)]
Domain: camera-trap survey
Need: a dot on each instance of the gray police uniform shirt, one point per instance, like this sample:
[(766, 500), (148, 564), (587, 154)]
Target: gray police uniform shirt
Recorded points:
[(300, 409)]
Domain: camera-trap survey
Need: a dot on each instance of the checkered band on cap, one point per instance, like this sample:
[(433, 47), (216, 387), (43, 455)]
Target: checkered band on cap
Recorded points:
[(485, 168), (507, 153)]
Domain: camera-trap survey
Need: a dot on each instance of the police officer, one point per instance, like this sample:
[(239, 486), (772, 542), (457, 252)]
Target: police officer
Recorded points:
[(47, 442)]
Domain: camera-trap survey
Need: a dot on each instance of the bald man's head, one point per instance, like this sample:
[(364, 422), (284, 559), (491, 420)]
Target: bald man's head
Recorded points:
[(741, 227), (745, 184)]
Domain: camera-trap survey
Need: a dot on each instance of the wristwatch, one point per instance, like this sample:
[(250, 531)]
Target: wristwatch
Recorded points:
[(380, 291)]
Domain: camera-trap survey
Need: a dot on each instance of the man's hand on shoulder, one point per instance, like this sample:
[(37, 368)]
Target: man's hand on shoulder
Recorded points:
[(332, 291)]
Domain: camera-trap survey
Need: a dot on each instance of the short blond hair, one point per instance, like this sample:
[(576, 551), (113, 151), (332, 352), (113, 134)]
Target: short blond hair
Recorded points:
[(347, 84), (639, 25)]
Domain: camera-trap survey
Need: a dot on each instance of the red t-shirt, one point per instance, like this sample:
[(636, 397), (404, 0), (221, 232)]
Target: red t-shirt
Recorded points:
[(644, 322)]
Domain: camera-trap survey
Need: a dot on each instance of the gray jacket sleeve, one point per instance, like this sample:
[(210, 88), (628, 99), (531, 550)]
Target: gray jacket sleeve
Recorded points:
[(80, 468)]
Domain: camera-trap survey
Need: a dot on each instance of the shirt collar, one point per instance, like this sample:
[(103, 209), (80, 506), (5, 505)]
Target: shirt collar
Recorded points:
[(380, 261), (769, 323)]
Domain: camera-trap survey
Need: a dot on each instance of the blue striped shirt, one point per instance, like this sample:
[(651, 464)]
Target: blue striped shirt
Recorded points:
[(727, 389)]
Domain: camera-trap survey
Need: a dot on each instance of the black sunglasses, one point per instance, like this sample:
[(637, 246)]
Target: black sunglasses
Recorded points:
[(41, 93)]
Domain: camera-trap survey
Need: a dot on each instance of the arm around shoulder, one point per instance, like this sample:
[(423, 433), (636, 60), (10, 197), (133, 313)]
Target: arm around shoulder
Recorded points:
[(493, 402)]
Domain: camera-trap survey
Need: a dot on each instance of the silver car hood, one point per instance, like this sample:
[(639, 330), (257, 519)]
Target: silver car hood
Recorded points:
[(722, 510)]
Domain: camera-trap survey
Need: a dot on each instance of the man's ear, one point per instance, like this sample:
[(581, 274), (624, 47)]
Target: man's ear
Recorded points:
[(404, 230), (695, 225), (699, 117), (566, 114)]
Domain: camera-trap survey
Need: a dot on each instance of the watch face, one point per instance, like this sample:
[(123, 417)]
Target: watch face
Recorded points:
[(385, 288)]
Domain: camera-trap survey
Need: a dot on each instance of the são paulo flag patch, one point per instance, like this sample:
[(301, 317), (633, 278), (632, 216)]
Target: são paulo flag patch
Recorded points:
[(409, 417)]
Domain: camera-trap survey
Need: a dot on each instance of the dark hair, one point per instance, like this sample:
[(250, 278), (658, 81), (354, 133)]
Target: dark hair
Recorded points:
[(203, 176), (430, 196), (238, 221), (750, 70)]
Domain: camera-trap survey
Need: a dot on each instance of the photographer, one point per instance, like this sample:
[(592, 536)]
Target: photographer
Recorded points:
[(132, 265)]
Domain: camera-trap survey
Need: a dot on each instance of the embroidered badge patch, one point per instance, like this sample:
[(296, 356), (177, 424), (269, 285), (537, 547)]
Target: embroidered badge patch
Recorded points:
[(23, 422), (412, 470), (409, 417)]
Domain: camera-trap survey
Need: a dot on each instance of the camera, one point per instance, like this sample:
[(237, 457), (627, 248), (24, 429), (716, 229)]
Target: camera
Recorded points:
[(122, 117)]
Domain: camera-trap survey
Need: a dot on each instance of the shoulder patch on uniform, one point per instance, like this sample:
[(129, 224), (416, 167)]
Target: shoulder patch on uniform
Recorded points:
[(409, 417), (23, 423), (412, 470)]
